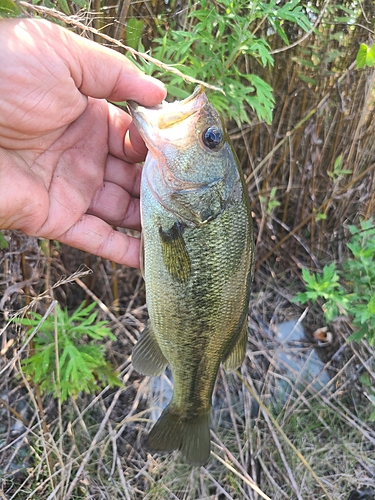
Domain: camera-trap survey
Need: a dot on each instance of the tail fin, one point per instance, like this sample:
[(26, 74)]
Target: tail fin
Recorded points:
[(190, 436)]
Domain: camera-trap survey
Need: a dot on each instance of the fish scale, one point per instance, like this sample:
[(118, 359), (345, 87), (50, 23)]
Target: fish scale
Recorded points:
[(197, 264)]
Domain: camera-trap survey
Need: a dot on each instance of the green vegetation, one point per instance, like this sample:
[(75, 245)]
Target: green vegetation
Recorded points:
[(365, 56), (66, 361), (3, 241), (219, 37), (351, 290), (8, 8)]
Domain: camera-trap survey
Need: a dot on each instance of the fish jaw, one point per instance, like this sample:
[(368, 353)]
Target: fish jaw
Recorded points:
[(168, 122)]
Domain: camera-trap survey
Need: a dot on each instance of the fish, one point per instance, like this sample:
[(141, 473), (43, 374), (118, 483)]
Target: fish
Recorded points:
[(197, 261)]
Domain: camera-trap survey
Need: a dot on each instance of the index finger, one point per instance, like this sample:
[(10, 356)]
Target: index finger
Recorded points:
[(124, 141), (95, 236)]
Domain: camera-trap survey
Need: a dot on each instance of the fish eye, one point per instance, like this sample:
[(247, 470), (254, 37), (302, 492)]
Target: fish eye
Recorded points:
[(212, 138)]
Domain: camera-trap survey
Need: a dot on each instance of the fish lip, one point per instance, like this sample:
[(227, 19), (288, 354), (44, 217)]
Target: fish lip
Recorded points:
[(199, 89), (134, 106), (167, 121), (183, 109)]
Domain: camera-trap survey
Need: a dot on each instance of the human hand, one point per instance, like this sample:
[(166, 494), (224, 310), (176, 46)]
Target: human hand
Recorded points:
[(68, 158)]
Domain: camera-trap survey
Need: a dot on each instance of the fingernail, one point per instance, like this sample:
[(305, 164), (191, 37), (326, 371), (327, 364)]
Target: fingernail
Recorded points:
[(157, 82)]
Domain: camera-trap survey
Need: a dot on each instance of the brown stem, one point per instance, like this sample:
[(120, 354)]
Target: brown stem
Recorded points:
[(39, 400)]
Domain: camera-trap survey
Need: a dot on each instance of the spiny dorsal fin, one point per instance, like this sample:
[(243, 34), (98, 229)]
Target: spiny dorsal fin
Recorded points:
[(175, 255), (147, 357)]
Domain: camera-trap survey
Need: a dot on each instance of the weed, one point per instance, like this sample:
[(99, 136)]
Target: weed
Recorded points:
[(62, 363), (270, 203), (350, 290)]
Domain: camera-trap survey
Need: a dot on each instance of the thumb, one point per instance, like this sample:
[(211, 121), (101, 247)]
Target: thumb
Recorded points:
[(96, 70), (105, 73)]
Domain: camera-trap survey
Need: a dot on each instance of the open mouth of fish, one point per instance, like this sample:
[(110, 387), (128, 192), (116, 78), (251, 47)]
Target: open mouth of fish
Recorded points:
[(166, 115)]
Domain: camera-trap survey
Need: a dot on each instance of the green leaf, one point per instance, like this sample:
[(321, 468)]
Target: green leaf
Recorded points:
[(3, 241), (263, 101), (361, 55), (134, 28), (306, 275), (371, 305), (337, 163), (320, 216), (177, 92), (370, 58), (358, 335), (306, 79), (365, 379), (8, 8), (81, 362), (329, 273), (81, 3), (292, 12), (330, 310), (300, 298), (64, 6)]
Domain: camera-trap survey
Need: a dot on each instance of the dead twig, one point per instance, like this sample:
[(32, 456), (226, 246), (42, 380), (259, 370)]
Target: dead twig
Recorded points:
[(73, 21)]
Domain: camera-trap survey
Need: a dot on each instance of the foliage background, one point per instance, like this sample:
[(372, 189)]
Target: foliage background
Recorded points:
[(310, 173)]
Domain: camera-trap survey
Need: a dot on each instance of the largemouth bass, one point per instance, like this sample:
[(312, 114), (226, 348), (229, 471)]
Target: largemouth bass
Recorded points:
[(197, 264)]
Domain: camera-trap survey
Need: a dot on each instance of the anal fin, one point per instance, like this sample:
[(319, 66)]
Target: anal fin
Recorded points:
[(147, 357), (235, 357)]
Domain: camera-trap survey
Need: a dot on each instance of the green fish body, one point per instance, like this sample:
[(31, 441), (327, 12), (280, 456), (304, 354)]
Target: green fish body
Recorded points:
[(197, 264)]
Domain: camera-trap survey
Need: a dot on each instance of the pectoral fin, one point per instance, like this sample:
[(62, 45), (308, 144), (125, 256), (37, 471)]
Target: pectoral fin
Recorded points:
[(235, 357), (147, 357), (175, 255)]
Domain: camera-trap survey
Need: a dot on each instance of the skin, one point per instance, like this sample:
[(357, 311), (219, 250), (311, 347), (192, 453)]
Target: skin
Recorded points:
[(68, 158)]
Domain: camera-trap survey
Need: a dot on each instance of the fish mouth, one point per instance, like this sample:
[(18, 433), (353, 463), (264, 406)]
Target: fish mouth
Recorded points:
[(167, 115), (134, 106), (197, 91)]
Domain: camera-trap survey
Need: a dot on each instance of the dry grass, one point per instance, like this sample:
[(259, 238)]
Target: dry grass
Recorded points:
[(310, 445)]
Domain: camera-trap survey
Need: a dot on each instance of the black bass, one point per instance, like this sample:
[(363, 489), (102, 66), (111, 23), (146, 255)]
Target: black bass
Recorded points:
[(197, 264)]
